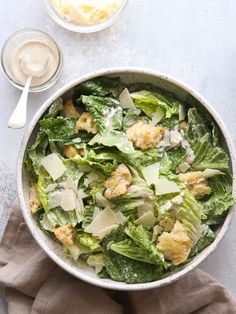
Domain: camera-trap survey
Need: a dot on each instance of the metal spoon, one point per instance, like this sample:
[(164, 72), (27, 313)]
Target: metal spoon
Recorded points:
[(18, 118)]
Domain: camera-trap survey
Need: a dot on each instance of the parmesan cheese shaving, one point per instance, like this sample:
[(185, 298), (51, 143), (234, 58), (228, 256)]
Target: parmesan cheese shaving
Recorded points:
[(148, 220), (54, 166), (125, 99), (104, 222), (164, 186), (208, 173), (68, 200), (151, 173), (64, 198)]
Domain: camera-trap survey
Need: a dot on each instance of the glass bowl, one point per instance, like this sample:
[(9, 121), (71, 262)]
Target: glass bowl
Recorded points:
[(17, 39), (72, 26)]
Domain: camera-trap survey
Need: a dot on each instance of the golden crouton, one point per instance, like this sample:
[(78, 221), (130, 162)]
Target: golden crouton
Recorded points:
[(86, 123), (69, 110), (175, 245), (119, 182), (71, 151), (196, 183), (64, 234), (145, 136), (34, 202)]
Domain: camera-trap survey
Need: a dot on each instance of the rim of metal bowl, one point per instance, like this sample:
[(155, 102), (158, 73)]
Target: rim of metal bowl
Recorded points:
[(33, 229)]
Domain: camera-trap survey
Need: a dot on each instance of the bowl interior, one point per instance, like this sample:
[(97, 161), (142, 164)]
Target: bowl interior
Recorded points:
[(53, 249), (74, 27)]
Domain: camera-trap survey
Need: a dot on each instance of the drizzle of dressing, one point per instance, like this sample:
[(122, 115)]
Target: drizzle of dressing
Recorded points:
[(34, 58)]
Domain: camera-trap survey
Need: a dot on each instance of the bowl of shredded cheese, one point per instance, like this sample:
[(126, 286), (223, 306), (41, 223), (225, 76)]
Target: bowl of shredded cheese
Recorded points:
[(85, 16)]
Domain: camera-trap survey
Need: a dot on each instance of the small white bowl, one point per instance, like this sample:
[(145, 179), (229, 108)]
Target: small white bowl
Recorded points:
[(53, 249), (82, 28)]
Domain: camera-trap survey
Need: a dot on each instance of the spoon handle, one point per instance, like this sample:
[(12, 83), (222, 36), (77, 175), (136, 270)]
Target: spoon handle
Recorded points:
[(18, 117)]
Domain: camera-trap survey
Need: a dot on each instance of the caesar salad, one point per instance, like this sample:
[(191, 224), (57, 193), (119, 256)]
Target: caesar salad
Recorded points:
[(128, 179)]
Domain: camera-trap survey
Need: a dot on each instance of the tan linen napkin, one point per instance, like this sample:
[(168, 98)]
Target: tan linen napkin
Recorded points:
[(34, 284)]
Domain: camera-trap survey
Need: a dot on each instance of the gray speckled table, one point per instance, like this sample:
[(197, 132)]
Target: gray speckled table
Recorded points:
[(191, 40)]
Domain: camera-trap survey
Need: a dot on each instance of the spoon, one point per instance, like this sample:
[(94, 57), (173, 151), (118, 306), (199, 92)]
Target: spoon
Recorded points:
[(18, 117)]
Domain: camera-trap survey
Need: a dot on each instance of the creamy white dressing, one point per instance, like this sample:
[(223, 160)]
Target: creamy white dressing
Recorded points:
[(34, 58), (108, 115)]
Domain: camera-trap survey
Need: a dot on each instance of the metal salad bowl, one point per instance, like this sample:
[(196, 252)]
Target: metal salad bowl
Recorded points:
[(53, 249)]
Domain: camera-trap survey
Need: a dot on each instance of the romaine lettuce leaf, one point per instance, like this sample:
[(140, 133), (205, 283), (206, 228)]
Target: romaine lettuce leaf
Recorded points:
[(104, 112), (58, 129), (89, 241), (207, 237), (130, 249), (54, 109), (114, 139), (100, 86), (131, 117), (88, 215), (35, 153), (138, 160), (90, 160), (143, 239), (209, 156), (190, 213), (171, 159), (219, 201), (202, 134), (150, 102), (122, 268), (43, 181), (57, 217), (75, 250)]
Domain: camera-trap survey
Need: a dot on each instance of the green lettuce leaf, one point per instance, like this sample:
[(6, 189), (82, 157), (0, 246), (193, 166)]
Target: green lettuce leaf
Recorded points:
[(43, 181), (89, 241), (170, 160), (35, 153), (114, 139), (203, 137), (190, 213), (207, 237), (138, 160), (130, 249), (54, 109), (75, 250), (58, 217), (209, 156), (219, 201), (122, 268), (90, 160), (104, 112), (88, 215), (150, 102), (100, 86), (131, 117), (59, 129), (143, 240)]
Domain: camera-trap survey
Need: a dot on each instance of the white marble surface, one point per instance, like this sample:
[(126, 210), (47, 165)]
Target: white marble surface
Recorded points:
[(191, 40)]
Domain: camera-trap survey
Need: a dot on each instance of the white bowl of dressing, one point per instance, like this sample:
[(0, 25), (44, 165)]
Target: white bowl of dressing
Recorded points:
[(30, 52), (85, 16)]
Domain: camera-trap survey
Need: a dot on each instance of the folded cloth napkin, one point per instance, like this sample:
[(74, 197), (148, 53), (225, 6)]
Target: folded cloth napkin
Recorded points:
[(34, 284)]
